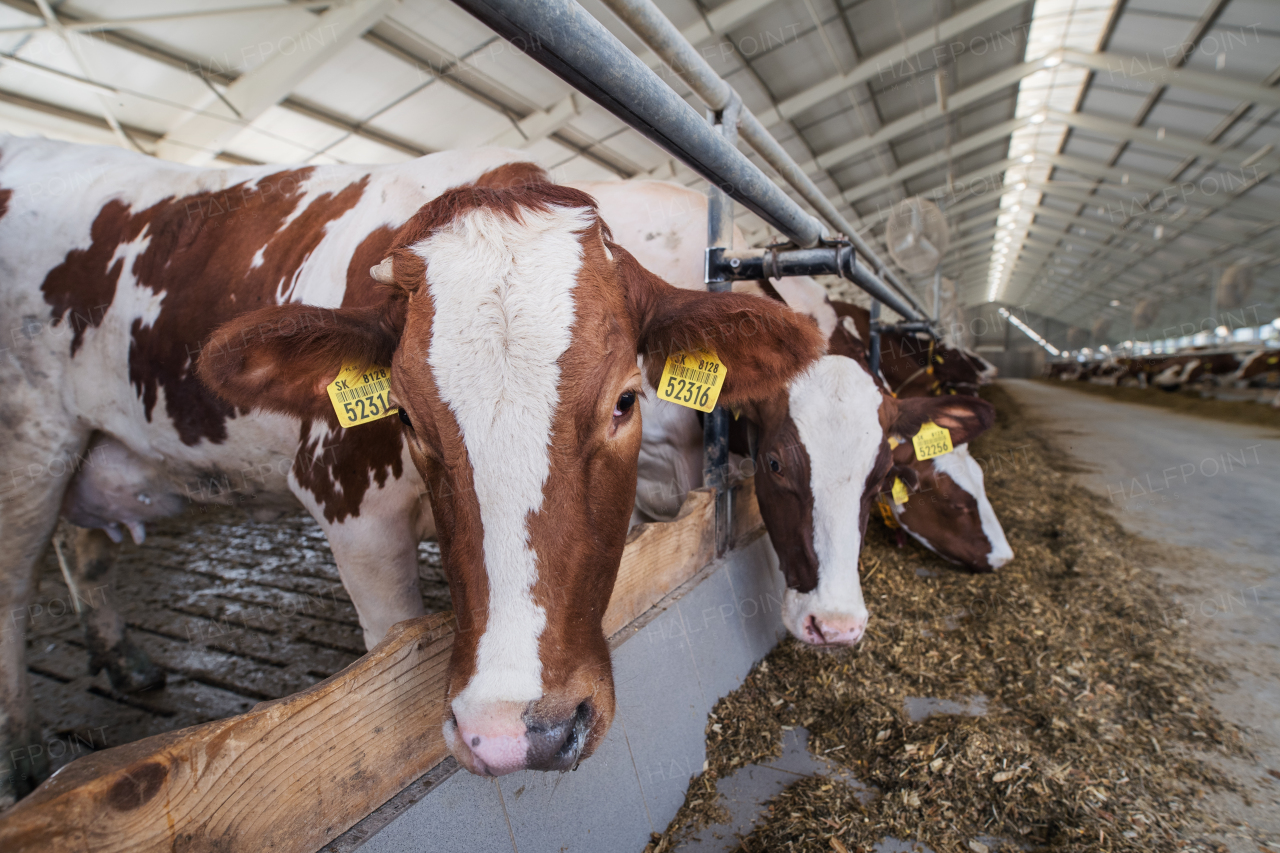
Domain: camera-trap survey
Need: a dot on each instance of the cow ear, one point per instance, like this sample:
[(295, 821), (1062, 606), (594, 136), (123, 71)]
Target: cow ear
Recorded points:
[(965, 418), (762, 343), (281, 358)]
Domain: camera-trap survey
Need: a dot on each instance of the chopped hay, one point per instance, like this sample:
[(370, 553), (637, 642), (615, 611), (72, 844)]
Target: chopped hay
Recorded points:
[(1187, 402), (1097, 704)]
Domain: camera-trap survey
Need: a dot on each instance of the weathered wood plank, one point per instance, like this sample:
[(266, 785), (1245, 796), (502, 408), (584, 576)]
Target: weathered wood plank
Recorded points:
[(292, 774), (659, 557), (287, 776)]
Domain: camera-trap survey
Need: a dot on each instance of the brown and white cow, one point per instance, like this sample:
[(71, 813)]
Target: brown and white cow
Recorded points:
[(823, 452), (511, 325)]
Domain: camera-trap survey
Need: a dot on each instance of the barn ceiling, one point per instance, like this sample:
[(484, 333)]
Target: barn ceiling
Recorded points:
[(1088, 153)]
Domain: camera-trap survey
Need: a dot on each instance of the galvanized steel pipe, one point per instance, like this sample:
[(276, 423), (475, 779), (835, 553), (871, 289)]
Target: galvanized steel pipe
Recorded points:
[(656, 30), (561, 36)]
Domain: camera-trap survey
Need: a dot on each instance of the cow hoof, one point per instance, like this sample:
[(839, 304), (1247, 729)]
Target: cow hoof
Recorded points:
[(28, 767), (128, 667)]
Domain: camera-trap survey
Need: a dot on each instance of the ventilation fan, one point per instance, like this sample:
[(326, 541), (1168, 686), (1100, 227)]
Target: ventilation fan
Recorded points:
[(1234, 286), (1101, 326), (1145, 313), (916, 235)]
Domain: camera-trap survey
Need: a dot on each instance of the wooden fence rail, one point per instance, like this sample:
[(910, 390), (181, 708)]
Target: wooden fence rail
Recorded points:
[(292, 774)]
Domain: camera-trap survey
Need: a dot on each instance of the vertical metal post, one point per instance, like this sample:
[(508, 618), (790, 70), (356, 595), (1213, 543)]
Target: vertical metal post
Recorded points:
[(937, 295), (715, 426), (873, 354)]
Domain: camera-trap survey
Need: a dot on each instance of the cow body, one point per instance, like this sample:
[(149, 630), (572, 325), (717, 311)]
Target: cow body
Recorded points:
[(108, 296), (112, 297)]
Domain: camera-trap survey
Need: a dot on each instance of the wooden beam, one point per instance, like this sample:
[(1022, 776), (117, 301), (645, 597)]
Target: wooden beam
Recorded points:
[(661, 556), (291, 775)]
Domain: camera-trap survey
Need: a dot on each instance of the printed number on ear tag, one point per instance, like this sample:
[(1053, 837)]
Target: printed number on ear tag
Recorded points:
[(360, 396), (932, 440), (692, 379), (900, 493), (886, 513)]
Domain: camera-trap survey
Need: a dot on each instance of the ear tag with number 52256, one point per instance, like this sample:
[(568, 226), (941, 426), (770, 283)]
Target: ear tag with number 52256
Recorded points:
[(932, 440), (692, 379), (360, 396)]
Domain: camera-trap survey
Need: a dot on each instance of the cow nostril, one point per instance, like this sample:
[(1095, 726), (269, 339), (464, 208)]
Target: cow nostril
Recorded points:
[(557, 746), (475, 741)]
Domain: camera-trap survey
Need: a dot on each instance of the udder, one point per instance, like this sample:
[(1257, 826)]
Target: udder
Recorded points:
[(115, 489)]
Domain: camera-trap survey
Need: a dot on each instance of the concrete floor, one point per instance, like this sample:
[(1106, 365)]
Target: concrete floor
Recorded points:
[(1214, 488)]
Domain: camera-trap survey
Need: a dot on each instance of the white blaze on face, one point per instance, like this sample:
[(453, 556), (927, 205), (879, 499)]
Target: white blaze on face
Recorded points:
[(836, 408), (965, 472), (504, 306)]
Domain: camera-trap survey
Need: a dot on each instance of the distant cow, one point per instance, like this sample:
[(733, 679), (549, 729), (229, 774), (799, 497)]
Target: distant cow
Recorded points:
[(511, 325), (1189, 368)]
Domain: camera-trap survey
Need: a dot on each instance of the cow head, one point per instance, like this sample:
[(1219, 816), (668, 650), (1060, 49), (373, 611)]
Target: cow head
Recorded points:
[(948, 510), (823, 457), (512, 329)]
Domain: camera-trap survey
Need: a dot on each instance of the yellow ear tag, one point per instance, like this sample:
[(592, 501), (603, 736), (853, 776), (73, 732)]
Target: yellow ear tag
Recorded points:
[(932, 440), (692, 379), (886, 513), (360, 396), (900, 493), (894, 441)]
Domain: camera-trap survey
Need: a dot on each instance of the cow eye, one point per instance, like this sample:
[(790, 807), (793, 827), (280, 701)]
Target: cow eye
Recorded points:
[(624, 404), (774, 465), (404, 418)]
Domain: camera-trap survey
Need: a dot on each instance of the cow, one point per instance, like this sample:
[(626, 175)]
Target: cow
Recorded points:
[(510, 323), (1066, 371), (1190, 368), (810, 440), (914, 363), (1259, 367), (947, 509)]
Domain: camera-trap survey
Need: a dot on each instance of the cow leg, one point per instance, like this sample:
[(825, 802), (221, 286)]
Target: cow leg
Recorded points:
[(92, 572), (377, 555), (37, 460)]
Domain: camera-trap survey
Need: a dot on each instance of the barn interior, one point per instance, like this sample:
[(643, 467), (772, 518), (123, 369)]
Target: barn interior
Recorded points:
[(1080, 192)]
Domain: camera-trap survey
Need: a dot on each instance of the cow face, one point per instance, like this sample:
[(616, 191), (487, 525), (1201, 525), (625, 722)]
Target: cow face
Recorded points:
[(819, 462), (822, 461), (512, 332), (949, 512)]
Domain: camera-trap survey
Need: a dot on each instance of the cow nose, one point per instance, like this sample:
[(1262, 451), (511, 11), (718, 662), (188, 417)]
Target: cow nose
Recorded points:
[(841, 630), (500, 744), (997, 560), (496, 746)]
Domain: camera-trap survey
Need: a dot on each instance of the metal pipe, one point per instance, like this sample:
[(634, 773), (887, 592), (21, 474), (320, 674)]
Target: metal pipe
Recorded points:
[(662, 37), (715, 424), (873, 348), (561, 36), (832, 259)]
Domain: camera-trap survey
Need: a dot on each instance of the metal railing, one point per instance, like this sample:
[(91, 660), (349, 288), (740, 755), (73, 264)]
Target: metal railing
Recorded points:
[(564, 38)]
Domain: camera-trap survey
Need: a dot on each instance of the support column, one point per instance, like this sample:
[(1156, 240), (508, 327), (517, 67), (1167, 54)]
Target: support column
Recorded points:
[(715, 425)]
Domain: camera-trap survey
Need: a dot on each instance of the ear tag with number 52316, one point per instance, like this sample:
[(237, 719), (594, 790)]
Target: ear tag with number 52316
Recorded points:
[(932, 440), (360, 396), (692, 379)]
